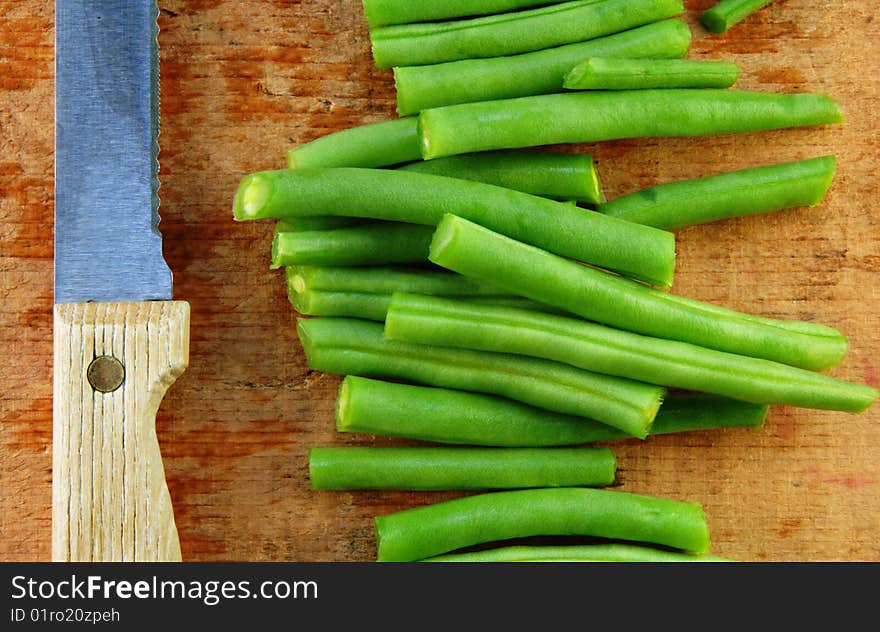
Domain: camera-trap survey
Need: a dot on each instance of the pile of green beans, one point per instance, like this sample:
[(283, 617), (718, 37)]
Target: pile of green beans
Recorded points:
[(512, 33), (357, 347), (526, 328), (442, 415), (424, 532)]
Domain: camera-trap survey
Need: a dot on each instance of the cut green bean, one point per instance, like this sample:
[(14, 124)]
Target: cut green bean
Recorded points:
[(387, 280), (431, 530), (728, 12), (577, 553), (366, 292), (442, 415), (355, 347), (375, 306), (540, 72), (445, 322), (385, 12), (515, 32), (367, 245), (340, 304), (460, 468), (639, 251), (602, 73), (585, 117), (691, 412), (745, 192), (373, 145), (316, 222), (547, 174), (475, 251)]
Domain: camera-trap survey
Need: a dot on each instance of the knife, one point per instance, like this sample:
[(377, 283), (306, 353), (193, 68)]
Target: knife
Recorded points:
[(119, 339)]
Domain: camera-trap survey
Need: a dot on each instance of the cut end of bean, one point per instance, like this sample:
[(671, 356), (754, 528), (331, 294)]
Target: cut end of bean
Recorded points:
[(714, 22), (296, 281), (576, 75), (311, 459), (424, 140), (277, 251), (342, 403), (252, 195), (302, 331), (400, 89), (650, 415), (594, 184), (443, 235)]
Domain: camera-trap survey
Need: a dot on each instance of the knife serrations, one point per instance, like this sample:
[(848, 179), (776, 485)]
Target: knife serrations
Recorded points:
[(107, 243), (155, 102)]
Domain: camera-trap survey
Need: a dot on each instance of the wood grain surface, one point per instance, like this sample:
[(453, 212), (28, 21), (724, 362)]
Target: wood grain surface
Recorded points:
[(244, 80)]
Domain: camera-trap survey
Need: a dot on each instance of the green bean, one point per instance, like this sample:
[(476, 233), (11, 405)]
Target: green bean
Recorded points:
[(540, 72), (375, 306), (315, 222), (584, 117), (576, 553), (448, 416), (386, 280), (515, 32), (366, 292), (745, 192), (445, 322), (430, 530), (728, 12), (385, 12), (475, 251), (690, 412), (355, 347), (459, 468), (544, 173), (419, 198), (374, 145), (600, 73), (345, 304), (367, 245)]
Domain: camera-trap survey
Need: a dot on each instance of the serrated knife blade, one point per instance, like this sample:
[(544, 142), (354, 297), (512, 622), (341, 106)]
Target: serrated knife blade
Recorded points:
[(119, 341), (107, 242)]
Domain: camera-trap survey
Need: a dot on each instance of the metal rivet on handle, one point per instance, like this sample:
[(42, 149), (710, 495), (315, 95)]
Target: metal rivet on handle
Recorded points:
[(105, 374)]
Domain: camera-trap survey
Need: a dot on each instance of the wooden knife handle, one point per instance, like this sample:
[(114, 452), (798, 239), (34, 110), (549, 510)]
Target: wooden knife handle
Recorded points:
[(110, 501)]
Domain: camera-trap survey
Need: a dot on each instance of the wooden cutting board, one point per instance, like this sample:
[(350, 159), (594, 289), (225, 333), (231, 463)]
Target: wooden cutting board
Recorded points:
[(244, 80)]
